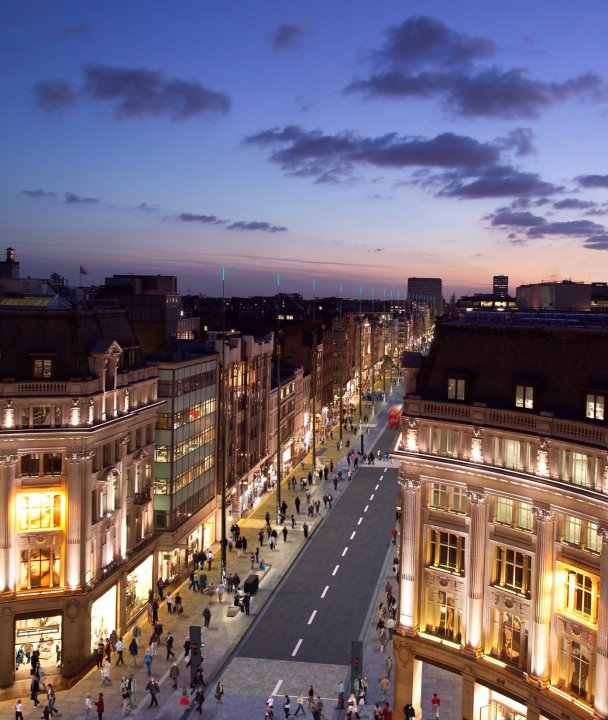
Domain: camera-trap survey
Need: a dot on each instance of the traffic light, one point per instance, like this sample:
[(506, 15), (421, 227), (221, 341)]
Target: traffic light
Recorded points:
[(356, 660), (196, 648)]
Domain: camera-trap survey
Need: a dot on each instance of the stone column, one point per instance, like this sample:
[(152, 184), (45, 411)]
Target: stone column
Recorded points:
[(601, 657), (407, 681), (77, 488), (7, 519), (410, 532), (475, 572), (543, 591)]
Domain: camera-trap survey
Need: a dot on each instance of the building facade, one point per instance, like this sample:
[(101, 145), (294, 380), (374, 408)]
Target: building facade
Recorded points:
[(504, 526)]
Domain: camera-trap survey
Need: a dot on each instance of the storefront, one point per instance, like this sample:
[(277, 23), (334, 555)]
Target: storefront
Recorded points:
[(139, 582), (501, 707), (103, 616), (171, 564), (37, 633)]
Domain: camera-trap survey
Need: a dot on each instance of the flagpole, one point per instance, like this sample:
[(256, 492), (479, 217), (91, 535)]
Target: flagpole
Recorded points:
[(224, 421), (278, 344)]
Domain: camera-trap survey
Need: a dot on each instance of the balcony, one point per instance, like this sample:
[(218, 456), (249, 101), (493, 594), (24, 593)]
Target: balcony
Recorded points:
[(142, 498)]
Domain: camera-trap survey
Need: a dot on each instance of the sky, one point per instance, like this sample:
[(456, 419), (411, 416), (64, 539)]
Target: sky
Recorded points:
[(350, 143)]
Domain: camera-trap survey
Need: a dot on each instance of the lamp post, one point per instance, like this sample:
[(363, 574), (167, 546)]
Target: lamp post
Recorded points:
[(361, 379), (224, 432), (278, 344)]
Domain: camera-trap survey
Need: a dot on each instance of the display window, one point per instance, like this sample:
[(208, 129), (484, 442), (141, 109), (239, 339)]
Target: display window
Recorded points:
[(138, 586), (170, 564), (42, 634), (40, 568), (103, 617)]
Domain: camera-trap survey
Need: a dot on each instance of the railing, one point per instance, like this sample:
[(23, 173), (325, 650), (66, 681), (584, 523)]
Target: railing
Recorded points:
[(142, 498)]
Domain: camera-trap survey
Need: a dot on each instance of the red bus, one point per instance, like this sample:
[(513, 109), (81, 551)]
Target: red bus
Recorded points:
[(394, 416)]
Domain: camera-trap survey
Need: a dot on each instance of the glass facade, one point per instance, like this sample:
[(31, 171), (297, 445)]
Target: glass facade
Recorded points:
[(37, 633)]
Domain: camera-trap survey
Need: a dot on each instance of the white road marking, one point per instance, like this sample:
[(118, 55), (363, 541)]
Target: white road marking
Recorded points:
[(280, 682), (335, 570), (360, 521), (371, 497), (312, 617), (353, 535), (377, 486), (345, 551), (365, 508), (324, 593), (294, 653)]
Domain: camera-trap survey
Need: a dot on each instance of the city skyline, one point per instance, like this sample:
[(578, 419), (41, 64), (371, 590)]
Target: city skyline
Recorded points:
[(359, 147)]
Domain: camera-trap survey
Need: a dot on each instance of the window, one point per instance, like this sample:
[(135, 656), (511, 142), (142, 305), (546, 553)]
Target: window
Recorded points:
[(449, 498), (41, 416), (594, 407), (39, 511), (40, 568), (575, 666), (51, 464), (443, 616), (439, 496), (512, 454), (509, 638), (594, 539), (572, 530), (43, 368), (504, 511), (524, 397), (459, 502), (514, 513), (30, 465), (513, 571), (578, 593), (524, 517), (579, 469), (446, 551), (456, 388)]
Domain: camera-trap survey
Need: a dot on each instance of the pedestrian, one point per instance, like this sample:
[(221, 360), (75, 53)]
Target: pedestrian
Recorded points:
[(148, 657), (34, 690), (100, 706), (246, 602), (305, 529), (261, 537), (293, 521), (19, 710), (311, 697), (284, 531), (220, 590), (271, 542), (297, 504), (219, 691), (389, 665), (383, 640), (252, 560), (154, 643), (105, 672), (330, 499), (287, 706), (207, 616), (351, 706), (267, 517), (387, 713), (50, 699), (153, 688), (199, 699), (394, 536), (257, 555), (169, 600), (155, 612), (299, 703), (269, 709), (179, 608), (98, 653), (131, 688), (385, 684), (335, 482), (88, 706), (120, 648), (390, 626), (341, 691), (108, 649), (160, 586), (435, 702), (174, 675), (169, 645), (137, 633)]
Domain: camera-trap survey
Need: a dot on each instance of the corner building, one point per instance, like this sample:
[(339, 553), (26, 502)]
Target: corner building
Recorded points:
[(78, 410), (504, 497)]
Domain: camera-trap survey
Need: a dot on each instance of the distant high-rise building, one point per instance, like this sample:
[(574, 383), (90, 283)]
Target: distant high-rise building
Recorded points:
[(501, 286), (427, 291)]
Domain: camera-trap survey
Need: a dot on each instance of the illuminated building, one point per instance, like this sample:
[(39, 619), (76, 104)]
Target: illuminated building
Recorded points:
[(77, 411), (504, 497)]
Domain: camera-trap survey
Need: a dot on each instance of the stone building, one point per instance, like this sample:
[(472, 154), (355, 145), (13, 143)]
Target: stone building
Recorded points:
[(504, 496)]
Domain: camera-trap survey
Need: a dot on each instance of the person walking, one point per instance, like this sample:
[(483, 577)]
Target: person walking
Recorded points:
[(435, 702), (246, 602), (341, 691), (389, 665), (88, 706), (220, 590), (19, 710), (351, 706), (148, 660), (174, 675), (199, 699), (299, 703), (385, 685), (131, 688), (100, 706), (34, 690), (305, 530), (287, 706), (219, 691), (133, 650), (105, 672), (285, 532), (120, 648), (169, 645), (153, 688), (50, 699), (311, 697), (383, 640), (169, 599), (207, 617), (297, 504), (154, 644)]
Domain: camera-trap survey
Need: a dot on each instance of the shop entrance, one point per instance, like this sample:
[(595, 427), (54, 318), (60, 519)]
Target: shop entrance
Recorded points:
[(37, 633)]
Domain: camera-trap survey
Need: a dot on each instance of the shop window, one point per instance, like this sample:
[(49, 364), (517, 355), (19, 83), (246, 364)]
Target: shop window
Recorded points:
[(578, 593), (43, 368), (524, 397), (39, 511), (40, 568), (513, 571), (575, 667), (443, 616), (39, 633), (456, 388), (509, 638), (446, 551), (594, 407)]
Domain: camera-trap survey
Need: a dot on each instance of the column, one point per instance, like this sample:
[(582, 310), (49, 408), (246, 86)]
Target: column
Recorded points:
[(601, 657), (474, 696), (410, 525), (76, 466), (7, 514), (124, 479), (475, 572), (543, 591), (407, 680)]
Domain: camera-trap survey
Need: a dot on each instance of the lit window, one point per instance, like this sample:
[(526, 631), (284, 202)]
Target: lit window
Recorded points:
[(439, 496), (595, 407), (524, 516), (572, 530), (39, 511), (41, 416), (509, 638), (456, 388), (513, 570), (594, 539), (575, 666), (443, 615), (579, 469), (40, 568), (446, 551), (579, 593), (43, 368), (524, 397), (504, 511), (459, 502)]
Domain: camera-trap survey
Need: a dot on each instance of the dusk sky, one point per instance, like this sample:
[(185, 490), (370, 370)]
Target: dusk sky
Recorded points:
[(351, 142)]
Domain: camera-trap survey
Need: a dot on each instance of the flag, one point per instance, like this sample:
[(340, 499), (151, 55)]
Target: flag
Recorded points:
[(83, 271)]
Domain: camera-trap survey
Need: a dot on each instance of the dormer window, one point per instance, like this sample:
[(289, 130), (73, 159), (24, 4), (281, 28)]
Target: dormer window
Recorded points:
[(42, 368), (456, 388), (524, 397), (594, 406)]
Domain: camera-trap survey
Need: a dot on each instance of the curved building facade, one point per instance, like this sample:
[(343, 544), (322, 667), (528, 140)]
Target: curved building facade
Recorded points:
[(504, 498)]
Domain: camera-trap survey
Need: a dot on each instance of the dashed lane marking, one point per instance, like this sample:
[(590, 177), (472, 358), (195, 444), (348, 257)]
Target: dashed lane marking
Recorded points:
[(312, 617), (324, 593), (294, 653)]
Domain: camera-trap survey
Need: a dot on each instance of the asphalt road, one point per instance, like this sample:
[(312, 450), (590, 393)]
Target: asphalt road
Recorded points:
[(322, 604)]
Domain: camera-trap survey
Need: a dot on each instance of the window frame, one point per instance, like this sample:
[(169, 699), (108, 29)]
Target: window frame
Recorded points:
[(525, 396), (595, 405)]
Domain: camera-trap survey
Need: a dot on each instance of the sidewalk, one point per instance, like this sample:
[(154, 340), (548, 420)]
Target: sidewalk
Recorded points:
[(224, 632)]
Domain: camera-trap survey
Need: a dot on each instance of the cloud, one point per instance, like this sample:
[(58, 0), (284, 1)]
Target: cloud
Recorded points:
[(507, 217), (146, 207), (576, 228), (71, 198), (423, 58), (134, 93), (597, 242), (379, 249), (574, 204), (203, 219), (35, 194), (286, 37), (256, 225), (496, 181), (54, 95), (593, 181)]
